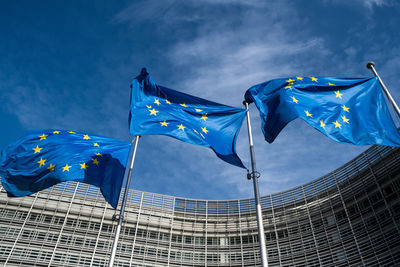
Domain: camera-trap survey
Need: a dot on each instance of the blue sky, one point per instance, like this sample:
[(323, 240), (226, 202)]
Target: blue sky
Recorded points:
[(68, 65)]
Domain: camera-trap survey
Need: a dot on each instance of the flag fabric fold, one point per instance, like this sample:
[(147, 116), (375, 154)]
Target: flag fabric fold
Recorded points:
[(347, 110), (158, 110), (42, 159)]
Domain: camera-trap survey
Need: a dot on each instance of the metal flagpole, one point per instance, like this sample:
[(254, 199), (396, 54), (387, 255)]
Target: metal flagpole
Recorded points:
[(128, 174), (370, 66), (255, 175)]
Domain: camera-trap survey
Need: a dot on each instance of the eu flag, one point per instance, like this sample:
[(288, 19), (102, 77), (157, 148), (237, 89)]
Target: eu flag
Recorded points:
[(44, 158), (158, 110), (347, 110)]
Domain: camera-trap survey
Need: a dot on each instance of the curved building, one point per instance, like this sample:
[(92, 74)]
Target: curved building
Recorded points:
[(350, 217)]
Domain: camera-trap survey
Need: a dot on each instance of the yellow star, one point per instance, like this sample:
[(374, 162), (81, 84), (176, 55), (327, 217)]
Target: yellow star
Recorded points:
[(86, 137), (338, 94), (308, 114), (314, 79), (198, 110), (148, 106), (37, 149), (204, 117), (183, 105), (164, 123), (95, 144), (66, 168), (195, 131), (290, 81), (41, 162), (337, 124), (294, 99), (153, 112), (345, 108), (330, 84), (43, 137), (51, 167), (288, 87), (99, 154), (346, 120), (204, 130), (56, 132), (83, 166), (72, 132), (202, 136), (156, 101), (166, 101), (299, 78), (181, 127), (322, 124), (96, 162)]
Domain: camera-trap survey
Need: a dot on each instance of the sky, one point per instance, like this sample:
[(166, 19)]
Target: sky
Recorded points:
[(68, 65)]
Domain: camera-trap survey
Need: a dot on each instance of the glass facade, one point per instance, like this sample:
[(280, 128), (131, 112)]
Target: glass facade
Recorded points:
[(349, 217)]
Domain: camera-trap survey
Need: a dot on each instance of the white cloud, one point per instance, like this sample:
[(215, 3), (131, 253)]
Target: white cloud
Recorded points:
[(367, 4), (234, 68), (370, 4)]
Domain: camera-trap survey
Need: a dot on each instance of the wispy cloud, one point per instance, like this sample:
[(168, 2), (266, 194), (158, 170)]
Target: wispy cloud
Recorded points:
[(370, 4), (364, 5)]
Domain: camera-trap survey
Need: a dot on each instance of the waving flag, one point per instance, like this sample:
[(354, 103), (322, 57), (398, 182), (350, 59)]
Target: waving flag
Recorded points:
[(159, 110), (347, 110), (44, 158)]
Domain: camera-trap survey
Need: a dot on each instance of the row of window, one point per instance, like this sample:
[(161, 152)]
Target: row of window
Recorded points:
[(25, 254), (140, 251), (15, 215), (370, 223), (29, 255), (187, 256)]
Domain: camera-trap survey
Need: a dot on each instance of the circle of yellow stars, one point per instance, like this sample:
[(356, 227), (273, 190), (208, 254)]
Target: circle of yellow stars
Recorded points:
[(343, 120), (52, 167), (152, 109)]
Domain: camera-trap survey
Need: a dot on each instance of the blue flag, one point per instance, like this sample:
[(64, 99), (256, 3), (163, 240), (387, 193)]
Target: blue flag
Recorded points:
[(159, 110), (347, 110), (44, 158)]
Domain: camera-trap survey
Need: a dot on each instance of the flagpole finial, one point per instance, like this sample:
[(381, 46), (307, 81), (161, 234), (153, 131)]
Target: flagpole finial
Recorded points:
[(370, 65), (144, 72)]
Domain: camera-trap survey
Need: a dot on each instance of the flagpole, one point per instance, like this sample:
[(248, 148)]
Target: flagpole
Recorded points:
[(370, 66), (128, 174), (255, 175)]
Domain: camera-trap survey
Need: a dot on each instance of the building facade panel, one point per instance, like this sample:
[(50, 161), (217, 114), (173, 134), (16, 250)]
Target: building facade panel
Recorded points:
[(350, 217)]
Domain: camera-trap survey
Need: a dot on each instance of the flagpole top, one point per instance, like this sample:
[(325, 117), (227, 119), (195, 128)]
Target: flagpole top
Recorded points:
[(144, 72), (370, 65)]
